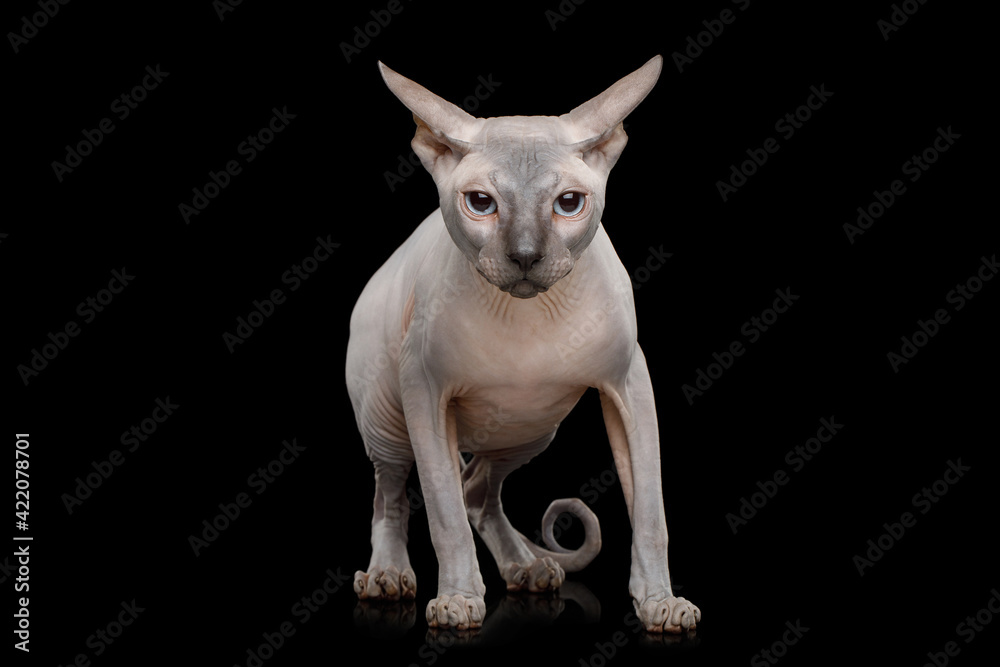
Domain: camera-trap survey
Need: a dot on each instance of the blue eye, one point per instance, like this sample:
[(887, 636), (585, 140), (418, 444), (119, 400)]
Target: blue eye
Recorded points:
[(480, 203), (569, 203)]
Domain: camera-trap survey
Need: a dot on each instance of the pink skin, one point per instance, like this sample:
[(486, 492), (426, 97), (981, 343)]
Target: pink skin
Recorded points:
[(481, 332)]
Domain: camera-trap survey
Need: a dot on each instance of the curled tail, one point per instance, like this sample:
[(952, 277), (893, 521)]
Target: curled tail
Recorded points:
[(571, 560)]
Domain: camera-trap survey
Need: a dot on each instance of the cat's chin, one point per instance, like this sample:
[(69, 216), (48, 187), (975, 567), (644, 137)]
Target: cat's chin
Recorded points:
[(524, 289)]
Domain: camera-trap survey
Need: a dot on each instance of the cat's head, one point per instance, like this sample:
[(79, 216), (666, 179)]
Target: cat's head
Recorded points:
[(522, 196)]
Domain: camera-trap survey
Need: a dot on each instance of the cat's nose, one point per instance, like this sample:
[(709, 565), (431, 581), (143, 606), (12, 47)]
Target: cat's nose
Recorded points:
[(526, 260)]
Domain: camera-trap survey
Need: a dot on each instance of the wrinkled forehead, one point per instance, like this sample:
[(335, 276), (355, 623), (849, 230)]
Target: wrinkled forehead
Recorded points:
[(548, 129), (521, 151)]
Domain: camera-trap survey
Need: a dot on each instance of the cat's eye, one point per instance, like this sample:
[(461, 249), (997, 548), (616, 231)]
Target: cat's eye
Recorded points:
[(480, 203), (569, 204)]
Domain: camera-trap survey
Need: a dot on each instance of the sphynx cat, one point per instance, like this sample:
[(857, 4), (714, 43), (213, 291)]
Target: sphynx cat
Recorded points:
[(479, 335)]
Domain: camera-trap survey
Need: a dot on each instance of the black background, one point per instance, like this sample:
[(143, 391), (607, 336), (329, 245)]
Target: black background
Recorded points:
[(325, 176)]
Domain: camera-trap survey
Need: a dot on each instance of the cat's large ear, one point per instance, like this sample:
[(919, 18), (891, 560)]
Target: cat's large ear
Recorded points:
[(443, 129), (595, 127)]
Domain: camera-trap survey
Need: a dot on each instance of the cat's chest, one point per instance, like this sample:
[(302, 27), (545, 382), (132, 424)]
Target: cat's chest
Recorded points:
[(560, 346)]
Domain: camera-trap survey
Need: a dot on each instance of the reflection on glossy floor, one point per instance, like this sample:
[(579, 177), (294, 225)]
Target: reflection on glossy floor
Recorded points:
[(504, 620)]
